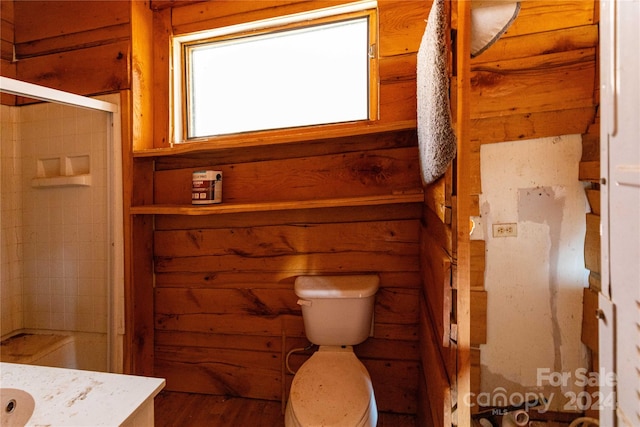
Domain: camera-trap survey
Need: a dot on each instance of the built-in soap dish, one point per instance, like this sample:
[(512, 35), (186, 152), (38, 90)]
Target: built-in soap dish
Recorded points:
[(63, 171)]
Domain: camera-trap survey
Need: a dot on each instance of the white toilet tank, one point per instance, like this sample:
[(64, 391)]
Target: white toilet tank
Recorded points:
[(337, 310)]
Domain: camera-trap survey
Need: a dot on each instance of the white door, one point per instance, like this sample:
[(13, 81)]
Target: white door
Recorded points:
[(620, 196)]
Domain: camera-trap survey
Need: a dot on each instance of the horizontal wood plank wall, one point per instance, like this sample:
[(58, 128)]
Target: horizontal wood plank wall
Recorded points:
[(7, 30), (538, 79), (76, 46), (7, 66), (224, 285), (354, 174), (224, 298), (224, 295)]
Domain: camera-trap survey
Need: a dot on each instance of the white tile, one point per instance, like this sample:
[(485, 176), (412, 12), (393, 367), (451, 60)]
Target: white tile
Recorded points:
[(51, 237), (84, 305), (70, 267), (71, 286), (57, 319), (57, 286)]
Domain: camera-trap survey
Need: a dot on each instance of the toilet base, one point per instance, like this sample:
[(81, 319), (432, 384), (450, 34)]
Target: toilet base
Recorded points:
[(370, 420)]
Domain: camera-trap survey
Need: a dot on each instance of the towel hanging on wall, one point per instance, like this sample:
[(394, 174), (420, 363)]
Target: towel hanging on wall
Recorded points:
[(436, 138), (490, 19)]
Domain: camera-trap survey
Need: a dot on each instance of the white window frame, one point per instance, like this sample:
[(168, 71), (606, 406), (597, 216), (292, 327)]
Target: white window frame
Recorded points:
[(366, 8)]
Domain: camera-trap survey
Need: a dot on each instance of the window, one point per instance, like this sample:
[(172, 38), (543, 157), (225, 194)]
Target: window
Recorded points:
[(301, 70)]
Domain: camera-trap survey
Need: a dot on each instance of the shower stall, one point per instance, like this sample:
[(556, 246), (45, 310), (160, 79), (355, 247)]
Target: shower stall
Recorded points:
[(61, 281)]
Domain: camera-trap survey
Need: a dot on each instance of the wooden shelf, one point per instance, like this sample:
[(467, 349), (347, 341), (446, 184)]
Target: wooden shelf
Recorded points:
[(229, 208), (273, 138)]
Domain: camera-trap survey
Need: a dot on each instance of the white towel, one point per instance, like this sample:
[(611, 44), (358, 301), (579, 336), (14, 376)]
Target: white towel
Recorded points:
[(436, 138)]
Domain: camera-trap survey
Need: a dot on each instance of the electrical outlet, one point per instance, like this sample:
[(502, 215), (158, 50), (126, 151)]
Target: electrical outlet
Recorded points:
[(505, 230)]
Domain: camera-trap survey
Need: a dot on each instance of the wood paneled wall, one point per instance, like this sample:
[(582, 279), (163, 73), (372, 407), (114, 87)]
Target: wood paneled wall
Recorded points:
[(538, 80), (7, 41), (225, 310), (6, 32), (224, 299), (76, 46)]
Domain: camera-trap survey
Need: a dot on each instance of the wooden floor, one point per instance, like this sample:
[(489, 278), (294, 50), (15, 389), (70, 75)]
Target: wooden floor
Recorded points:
[(199, 410)]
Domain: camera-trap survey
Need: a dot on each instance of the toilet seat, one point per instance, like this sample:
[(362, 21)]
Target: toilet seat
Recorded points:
[(332, 388)]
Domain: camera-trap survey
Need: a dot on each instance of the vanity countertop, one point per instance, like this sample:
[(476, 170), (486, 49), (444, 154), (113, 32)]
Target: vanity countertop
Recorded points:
[(69, 397)]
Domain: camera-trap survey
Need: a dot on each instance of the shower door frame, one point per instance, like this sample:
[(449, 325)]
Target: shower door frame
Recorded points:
[(115, 302)]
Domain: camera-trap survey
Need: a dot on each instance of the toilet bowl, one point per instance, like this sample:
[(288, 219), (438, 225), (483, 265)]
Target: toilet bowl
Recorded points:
[(332, 389)]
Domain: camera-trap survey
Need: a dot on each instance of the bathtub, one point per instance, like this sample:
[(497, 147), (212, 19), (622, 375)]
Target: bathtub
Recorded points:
[(60, 349)]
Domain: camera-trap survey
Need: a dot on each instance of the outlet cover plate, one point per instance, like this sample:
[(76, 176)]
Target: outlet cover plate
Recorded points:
[(505, 230)]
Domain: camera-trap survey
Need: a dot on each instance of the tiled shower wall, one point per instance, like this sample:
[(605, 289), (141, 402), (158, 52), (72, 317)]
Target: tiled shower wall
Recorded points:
[(54, 239)]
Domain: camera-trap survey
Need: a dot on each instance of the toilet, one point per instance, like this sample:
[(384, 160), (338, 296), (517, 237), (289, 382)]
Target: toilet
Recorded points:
[(333, 388)]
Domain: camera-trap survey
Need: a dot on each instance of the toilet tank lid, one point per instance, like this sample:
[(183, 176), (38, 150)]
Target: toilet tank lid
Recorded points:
[(354, 286)]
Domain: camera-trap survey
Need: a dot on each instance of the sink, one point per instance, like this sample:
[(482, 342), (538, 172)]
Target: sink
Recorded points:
[(17, 407)]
